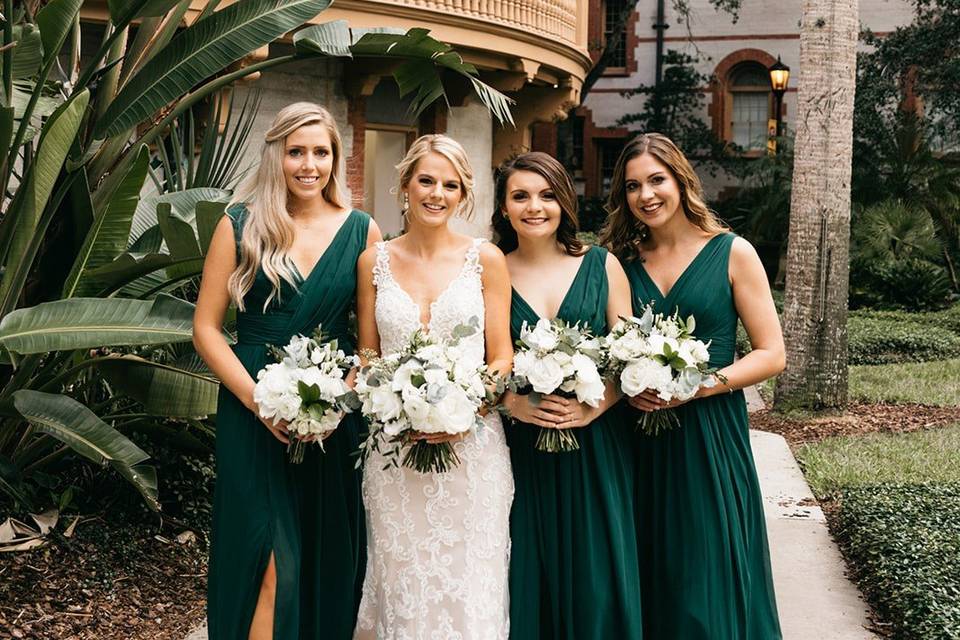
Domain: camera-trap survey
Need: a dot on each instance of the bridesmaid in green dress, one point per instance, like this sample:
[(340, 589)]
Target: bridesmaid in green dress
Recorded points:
[(703, 542), (573, 563), (287, 548)]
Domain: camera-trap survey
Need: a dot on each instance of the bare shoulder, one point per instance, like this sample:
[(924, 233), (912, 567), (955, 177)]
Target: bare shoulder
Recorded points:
[(742, 253), (491, 258), (374, 235), (367, 259), (613, 265)]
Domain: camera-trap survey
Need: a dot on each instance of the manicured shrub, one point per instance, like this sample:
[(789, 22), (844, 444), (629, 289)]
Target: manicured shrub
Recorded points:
[(883, 338), (904, 542)]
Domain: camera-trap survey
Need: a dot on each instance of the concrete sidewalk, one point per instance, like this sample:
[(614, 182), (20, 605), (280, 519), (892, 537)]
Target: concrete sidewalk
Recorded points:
[(815, 598)]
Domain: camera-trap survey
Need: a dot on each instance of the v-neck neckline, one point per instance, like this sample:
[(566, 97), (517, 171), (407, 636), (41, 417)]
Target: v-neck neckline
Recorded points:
[(563, 301), (683, 274), (336, 237)]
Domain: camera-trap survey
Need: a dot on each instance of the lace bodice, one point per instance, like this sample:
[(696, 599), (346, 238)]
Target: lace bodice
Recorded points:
[(398, 316)]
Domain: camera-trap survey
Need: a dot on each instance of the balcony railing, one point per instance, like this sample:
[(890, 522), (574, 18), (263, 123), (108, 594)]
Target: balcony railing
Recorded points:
[(556, 19)]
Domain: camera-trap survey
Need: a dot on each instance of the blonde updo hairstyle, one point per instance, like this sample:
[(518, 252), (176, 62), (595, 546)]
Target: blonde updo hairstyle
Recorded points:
[(452, 151), (623, 231), (268, 232)]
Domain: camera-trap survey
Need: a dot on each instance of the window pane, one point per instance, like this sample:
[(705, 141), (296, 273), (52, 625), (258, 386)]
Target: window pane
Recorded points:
[(749, 123), (609, 151), (751, 75), (616, 13)]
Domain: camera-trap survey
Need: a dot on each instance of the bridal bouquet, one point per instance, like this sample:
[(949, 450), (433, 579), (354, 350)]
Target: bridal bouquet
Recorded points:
[(426, 388), (658, 352), (305, 387), (554, 357)]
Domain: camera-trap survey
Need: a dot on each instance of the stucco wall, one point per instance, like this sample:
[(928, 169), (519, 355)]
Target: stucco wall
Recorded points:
[(471, 126)]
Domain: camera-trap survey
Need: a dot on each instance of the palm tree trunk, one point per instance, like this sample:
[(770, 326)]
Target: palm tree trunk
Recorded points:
[(815, 305)]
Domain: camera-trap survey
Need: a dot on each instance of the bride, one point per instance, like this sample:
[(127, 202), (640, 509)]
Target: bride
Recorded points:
[(438, 545)]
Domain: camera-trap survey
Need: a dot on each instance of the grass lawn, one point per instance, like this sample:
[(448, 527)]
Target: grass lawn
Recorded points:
[(936, 382), (881, 458)]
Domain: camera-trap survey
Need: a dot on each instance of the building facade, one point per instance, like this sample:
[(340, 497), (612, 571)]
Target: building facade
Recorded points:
[(738, 101), (535, 52)]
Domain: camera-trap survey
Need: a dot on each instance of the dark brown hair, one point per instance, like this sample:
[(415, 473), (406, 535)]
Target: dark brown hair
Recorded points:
[(559, 180), (623, 232)]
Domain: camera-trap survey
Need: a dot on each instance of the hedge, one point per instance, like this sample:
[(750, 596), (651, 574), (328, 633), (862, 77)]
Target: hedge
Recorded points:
[(904, 542)]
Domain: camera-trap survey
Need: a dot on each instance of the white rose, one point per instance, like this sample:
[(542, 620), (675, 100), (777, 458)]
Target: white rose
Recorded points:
[(628, 347), (436, 376), (542, 337), (383, 404), (589, 385), (431, 353), (403, 374), (523, 362), (455, 413), (298, 350), (544, 374), (644, 374), (658, 341), (416, 408)]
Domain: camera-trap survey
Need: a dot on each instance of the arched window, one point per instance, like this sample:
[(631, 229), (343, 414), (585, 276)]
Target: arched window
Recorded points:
[(749, 89)]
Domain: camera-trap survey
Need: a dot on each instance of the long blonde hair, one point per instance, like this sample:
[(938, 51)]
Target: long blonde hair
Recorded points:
[(268, 231), (623, 232), (452, 151)]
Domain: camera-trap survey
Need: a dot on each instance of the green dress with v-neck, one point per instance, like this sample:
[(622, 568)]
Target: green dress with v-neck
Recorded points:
[(573, 559), (703, 542), (310, 515)]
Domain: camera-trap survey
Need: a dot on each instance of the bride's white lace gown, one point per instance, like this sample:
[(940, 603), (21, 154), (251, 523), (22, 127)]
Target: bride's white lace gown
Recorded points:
[(438, 545)]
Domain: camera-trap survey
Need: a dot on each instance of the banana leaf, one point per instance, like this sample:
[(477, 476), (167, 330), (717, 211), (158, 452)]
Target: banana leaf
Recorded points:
[(55, 20), (79, 428), (107, 237), (162, 390), (28, 54), (123, 11), (183, 203), (200, 51), (85, 323)]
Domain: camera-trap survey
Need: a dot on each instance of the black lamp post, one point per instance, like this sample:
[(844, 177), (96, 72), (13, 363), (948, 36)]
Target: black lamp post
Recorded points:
[(779, 77)]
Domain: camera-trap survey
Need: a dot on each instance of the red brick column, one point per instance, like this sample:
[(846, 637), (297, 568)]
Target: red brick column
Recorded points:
[(357, 118)]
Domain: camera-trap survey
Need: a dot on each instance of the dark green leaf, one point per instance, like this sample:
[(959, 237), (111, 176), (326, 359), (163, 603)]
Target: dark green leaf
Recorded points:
[(76, 426), (55, 21), (200, 51)]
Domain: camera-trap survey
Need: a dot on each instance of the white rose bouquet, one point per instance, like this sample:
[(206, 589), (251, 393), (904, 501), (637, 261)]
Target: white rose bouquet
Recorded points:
[(556, 358), (660, 353), (306, 388), (426, 388)]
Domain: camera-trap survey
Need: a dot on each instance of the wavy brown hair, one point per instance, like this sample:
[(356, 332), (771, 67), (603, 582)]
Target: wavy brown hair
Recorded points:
[(623, 231), (559, 180)]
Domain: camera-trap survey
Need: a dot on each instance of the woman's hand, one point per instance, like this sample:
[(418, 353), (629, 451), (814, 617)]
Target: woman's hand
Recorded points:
[(574, 414), (648, 400), (549, 412), (279, 430)]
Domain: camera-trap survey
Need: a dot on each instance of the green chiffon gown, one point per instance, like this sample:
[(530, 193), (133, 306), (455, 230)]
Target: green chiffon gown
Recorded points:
[(310, 516), (703, 542), (573, 561)]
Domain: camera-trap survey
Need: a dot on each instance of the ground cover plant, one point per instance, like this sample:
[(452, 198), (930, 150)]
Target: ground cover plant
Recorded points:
[(894, 501)]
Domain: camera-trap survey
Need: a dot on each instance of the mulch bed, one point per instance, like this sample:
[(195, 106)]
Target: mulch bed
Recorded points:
[(110, 580), (857, 419)]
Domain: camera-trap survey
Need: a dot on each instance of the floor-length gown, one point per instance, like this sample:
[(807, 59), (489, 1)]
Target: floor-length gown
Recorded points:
[(438, 545), (705, 564), (310, 516), (573, 570)]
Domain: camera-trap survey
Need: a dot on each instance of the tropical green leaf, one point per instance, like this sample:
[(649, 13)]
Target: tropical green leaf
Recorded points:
[(55, 20), (423, 59), (6, 129), (162, 390), (208, 215), (123, 11), (58, 135), (178, 235), (184, 204), (107, 238), (85, 323), (200, 51), (28, 54), (79, 428), (22, 89)]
